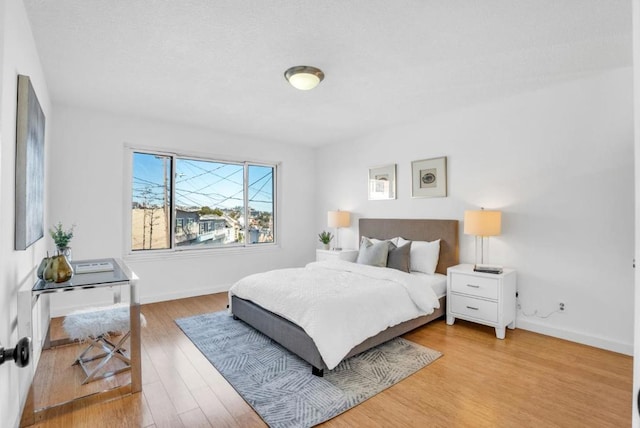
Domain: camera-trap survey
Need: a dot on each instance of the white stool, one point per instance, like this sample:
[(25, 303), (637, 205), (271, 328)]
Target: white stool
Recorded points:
[(94, 325)]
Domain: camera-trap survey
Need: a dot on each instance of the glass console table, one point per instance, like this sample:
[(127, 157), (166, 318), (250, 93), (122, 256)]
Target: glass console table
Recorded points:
[(56, 360)]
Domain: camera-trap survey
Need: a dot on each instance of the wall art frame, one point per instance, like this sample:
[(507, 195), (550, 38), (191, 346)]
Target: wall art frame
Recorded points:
[(429, 178), (382, 182), (29, 197)]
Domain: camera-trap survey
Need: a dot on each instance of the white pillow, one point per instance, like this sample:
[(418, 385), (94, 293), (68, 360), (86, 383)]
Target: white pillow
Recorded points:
[(424, 255)]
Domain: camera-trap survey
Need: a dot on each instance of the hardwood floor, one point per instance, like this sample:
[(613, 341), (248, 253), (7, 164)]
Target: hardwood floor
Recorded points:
[(525, 380)]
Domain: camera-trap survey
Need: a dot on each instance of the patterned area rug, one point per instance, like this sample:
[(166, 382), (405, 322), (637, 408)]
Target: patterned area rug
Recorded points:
[(279, 385)]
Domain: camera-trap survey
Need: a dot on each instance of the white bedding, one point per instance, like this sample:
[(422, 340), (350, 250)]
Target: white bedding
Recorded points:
[(437, 281), (340, 304)]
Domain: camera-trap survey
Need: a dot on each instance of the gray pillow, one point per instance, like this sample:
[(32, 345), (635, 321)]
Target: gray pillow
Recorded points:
[(373, 254), (398, 257)]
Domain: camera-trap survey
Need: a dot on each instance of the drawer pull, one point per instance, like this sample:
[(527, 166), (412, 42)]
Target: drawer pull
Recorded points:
[(471, 307), (473, 286)]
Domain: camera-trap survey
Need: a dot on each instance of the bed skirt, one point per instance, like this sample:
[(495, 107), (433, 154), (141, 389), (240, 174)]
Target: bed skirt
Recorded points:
[(296, 340)]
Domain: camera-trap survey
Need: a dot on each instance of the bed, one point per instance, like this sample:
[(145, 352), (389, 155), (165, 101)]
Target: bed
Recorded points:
[(295, 339)]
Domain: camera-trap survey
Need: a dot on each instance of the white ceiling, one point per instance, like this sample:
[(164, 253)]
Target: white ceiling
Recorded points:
[(220, 64)]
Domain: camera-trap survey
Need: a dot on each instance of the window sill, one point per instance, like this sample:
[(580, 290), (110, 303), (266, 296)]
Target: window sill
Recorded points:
[(190, 254)]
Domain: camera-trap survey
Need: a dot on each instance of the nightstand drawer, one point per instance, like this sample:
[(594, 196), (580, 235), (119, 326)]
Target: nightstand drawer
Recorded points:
[(476, 308), (474, 285)]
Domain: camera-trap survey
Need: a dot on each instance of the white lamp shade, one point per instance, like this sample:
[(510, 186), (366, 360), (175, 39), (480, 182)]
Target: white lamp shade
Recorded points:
[(482, 223), (338, 219)]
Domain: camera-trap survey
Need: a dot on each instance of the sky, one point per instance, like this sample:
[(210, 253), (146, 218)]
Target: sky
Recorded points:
[(201, 183)]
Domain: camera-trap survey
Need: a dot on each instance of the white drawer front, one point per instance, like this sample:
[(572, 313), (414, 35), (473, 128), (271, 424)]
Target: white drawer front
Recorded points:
[(347, 255), (480, 309), (474, 285)]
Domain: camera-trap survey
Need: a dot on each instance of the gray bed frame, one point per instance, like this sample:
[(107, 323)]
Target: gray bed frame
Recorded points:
[(294, 338)]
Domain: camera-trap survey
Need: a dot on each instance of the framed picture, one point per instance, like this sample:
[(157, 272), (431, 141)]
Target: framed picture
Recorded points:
[(29, 167), (429, 178), (382, 182)]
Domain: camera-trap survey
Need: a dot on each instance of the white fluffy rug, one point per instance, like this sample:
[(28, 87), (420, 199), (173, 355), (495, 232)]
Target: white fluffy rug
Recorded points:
[(92, 322)]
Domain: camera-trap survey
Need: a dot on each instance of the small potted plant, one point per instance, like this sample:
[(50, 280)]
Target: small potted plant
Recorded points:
[(325, 237), (58, 268), (61, 237)]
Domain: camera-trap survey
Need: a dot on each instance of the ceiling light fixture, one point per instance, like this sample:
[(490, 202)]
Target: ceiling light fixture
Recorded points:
[(304, 77)]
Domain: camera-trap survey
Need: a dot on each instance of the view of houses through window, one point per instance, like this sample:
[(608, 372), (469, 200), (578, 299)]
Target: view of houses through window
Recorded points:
[(208, 202)]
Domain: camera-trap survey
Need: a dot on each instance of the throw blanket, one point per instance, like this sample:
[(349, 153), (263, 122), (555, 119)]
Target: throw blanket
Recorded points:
[(340, 304)]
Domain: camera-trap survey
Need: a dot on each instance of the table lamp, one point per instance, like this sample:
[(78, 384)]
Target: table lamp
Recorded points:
[(482, 224), (338, 219)]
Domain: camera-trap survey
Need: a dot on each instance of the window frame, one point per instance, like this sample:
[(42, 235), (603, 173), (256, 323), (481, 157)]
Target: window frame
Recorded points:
[(131, 150)]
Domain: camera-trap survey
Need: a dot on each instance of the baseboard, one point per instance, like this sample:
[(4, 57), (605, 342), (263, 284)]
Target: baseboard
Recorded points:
[(573, 336), (153, 298), (578, 337), (183, 294)]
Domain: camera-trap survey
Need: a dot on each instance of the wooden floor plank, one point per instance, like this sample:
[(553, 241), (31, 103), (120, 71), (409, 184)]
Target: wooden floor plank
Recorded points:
[(195, 419), (165, 365), (149, 373), (526, 380), (213, 409), (162, 410), (147, 417)]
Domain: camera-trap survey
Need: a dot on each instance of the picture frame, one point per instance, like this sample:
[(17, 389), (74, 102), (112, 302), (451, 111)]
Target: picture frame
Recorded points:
[(30, 129), (382, 182), (429, 178)]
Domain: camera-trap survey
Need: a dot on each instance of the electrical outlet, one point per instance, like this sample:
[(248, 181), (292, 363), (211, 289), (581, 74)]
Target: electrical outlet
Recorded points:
[(561, 307)]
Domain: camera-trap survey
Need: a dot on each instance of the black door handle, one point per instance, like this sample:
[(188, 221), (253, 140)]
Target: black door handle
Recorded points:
[(20, 354)]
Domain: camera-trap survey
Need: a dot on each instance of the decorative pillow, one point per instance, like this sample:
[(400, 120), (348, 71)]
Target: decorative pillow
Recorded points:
[(423, 256), (373, 254), (398, 257), (374, 240)]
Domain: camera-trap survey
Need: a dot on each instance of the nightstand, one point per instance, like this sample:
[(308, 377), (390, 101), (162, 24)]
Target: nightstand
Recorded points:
[(484, 298), (347, 255)]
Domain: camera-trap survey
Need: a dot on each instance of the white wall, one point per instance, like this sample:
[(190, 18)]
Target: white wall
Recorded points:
[(558, 162), (18, 56), (88, 181), (636, 99)]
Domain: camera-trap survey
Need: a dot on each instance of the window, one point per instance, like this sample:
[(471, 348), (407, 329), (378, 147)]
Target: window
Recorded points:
[(211, 203)]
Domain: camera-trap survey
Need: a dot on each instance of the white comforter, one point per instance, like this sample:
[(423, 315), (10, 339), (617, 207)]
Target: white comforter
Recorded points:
[(339, 304)]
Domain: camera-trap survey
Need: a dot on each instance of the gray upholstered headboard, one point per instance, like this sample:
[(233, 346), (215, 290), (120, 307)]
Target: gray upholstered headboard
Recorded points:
[(418, 230)]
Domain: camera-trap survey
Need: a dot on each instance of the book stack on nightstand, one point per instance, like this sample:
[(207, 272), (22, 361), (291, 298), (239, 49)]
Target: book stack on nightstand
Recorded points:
[(485, 298), (344, 254)]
